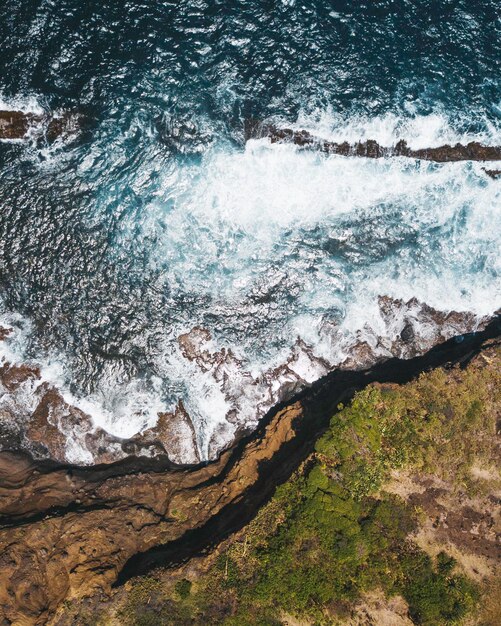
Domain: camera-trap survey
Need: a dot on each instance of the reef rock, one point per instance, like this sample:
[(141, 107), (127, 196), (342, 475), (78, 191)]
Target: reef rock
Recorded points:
[(35, 417), (48, 127), (473, 151), (173, 435)]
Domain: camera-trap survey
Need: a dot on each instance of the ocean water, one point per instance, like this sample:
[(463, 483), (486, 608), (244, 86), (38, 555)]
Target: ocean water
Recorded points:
[(160, 217)]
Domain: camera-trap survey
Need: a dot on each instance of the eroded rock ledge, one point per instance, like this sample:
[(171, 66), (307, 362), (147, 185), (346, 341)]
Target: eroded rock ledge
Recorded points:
[(69, 532), (473, 151)]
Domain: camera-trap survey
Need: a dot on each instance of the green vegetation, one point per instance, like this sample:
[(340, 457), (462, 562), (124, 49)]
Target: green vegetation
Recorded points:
[(332, 533), (183, 588)]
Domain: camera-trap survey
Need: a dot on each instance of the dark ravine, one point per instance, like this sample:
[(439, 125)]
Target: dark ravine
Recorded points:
[(318, 403), (70, 532)]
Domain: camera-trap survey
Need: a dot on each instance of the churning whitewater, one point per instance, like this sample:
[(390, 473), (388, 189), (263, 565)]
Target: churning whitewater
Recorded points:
[(156, 263)]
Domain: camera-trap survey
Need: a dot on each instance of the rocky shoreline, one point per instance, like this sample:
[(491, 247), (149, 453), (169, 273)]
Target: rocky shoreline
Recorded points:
[(37, 419), (69, 532)]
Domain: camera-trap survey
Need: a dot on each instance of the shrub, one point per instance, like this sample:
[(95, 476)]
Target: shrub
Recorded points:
[(183, 588)]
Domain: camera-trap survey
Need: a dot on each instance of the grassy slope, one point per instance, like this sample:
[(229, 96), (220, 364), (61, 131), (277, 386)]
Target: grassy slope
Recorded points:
[(332, 533)]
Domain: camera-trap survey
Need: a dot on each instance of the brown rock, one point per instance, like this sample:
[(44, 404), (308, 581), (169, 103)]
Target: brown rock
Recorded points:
[(19, 125), (70, 532), (191, 343), (472, 151), (11, 376), (41, 430), (15, 124), (173, 434), (4, 332)]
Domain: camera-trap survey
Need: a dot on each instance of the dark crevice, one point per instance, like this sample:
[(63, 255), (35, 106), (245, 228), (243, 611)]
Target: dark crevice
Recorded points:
[(320, 403)]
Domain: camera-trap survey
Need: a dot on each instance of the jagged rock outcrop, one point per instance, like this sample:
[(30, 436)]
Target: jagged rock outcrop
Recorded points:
[(492, 173), (173, 435), (36, 417), (68, 532), (473, 151)]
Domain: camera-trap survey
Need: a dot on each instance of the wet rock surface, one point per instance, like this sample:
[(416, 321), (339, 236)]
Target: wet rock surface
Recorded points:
[(371, 149), (70, 532), (173, 435), (36, 418), (17, 125), (492, 173)]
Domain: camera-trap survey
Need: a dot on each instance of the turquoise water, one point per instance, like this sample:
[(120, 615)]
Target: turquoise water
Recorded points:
[(160, 218)]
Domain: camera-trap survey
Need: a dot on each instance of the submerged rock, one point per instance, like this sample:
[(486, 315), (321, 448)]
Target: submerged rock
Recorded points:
[(15, 124), (181, 135)]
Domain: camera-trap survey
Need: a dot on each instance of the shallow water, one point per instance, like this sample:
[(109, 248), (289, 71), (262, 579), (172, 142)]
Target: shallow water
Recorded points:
[(160, 218)]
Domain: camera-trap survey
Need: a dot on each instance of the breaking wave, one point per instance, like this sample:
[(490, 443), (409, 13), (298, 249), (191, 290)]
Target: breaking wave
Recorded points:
[(162, 220)]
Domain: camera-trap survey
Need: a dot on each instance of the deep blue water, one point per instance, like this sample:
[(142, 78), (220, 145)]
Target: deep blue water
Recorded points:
[(231, 60), (159, 218)]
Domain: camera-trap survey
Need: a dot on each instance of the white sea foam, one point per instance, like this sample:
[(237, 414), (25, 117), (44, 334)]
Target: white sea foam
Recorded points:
[(121, 410), (419, 131), (28, 103), (246, 205), (298, 238)]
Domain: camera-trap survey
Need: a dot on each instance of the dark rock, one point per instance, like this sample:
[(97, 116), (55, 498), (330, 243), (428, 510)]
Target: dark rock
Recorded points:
[(67, 125), (472, 151), (407, 335), (492, 173), (4, 332), (15, 124)]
